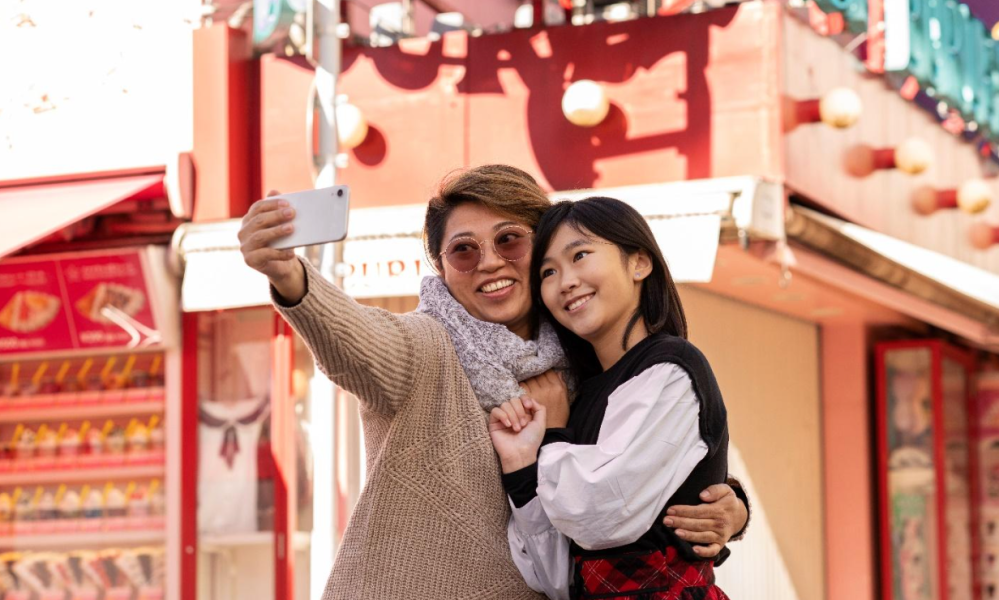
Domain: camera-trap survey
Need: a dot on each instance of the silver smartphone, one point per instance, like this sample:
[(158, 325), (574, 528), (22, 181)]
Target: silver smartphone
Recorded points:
[(320, 217)]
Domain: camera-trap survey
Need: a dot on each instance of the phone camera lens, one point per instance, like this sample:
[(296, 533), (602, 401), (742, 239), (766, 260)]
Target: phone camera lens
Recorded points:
[(339, 192)]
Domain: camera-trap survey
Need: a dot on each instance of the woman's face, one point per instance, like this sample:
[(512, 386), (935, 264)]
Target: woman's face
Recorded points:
[(589, 286), (495, 290)]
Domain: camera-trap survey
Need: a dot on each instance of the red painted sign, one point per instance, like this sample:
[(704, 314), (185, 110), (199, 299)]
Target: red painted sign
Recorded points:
[(69, 302)]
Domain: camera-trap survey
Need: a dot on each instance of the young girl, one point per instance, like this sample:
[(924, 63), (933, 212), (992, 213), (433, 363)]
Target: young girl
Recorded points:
[(647, 431)]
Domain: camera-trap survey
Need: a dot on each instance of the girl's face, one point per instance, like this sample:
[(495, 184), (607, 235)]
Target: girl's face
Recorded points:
[(494, 289), (589, 286)]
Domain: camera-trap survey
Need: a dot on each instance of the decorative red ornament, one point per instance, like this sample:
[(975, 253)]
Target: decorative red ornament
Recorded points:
[(927, 200), (838, 108), (673, 7), (913, 156), (984, 236), (910, 88), (824, 23)]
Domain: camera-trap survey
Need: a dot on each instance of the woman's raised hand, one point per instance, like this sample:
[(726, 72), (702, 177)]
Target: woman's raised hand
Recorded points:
[(268, 220), (516, 428)]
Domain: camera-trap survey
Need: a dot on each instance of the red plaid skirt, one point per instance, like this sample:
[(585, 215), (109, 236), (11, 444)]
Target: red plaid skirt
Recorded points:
[(646, 576)]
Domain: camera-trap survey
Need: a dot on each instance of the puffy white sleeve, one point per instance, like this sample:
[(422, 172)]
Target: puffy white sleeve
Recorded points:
[(610, 493), (540, 552)]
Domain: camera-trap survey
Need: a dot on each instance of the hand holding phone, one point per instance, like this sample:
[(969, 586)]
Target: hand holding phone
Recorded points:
[(320, 217)]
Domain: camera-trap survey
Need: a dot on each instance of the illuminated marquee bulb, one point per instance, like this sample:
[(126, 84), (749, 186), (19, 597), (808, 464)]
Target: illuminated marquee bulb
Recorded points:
[(974, 196), (984, 236), (913, 156), (840, 108), (351, 126), (585, 103)]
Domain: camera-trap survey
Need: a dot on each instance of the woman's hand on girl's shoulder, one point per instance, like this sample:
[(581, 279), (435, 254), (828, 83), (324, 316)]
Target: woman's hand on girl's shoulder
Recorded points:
[(549, 390), (516, 428)]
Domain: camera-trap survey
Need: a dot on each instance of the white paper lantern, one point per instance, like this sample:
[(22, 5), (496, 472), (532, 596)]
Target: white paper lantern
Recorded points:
[(351, 126), (840, 108), (974, 196), (585, 103), (913, 156)]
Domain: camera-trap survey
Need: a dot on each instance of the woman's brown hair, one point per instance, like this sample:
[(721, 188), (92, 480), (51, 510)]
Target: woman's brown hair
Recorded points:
[(507, 190)]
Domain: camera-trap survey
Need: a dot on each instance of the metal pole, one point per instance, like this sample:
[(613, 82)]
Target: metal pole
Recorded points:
[(322, 396)]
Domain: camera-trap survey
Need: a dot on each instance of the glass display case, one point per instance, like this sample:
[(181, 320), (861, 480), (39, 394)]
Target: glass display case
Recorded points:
[(926, 471), (253, 493), (988, 477), (87, 401)]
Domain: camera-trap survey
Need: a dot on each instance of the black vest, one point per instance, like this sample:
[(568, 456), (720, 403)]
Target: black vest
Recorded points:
[(588, 411)]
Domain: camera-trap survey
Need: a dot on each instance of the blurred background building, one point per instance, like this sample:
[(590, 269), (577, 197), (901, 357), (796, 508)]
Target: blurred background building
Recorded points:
[(821, 176)]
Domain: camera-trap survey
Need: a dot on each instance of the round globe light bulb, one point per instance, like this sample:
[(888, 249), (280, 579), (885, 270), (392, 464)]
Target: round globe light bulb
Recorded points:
[(840, 108), (585, 103), (982, 236), (924, 200), (351, 126), (913, 156), (974, 196)]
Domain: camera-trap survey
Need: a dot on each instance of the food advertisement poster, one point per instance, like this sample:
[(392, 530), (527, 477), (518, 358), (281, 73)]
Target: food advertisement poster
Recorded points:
[(67, 302)]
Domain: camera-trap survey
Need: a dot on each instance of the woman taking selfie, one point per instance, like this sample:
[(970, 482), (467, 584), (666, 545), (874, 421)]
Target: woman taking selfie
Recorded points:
[(647, 431), (431, 519)]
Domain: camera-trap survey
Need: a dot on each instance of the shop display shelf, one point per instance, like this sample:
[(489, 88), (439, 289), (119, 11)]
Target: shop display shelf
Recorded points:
[(78, 540), (87, 474), (66, 411), (214, 543)]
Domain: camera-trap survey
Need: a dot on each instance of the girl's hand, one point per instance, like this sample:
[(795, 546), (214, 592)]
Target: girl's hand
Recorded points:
[(549, 390), (709, 526), (517, 428)]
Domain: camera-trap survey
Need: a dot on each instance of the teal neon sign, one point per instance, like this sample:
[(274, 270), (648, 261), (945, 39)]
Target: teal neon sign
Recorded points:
[(940, 44)]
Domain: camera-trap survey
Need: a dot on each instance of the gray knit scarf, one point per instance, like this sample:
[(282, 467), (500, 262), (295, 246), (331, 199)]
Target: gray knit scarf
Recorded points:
[(495, 359)]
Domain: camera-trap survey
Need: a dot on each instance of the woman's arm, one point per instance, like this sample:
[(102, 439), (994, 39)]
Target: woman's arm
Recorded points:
[(610, 493), (367, 351)]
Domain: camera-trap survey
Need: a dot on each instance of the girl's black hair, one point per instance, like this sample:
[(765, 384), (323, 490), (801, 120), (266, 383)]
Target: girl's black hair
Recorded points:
[(620, 224)]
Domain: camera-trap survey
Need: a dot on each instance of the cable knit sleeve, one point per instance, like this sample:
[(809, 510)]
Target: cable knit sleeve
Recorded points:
[(367, 351)]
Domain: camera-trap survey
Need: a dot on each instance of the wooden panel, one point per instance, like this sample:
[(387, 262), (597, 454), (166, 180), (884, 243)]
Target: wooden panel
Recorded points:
[(768, 368), (881, 201)]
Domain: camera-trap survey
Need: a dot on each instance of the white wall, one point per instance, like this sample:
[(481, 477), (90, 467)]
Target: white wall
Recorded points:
[(94, 85)]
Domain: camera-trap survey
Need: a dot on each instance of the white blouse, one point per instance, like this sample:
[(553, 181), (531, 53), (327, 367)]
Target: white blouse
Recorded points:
[(610, 493)]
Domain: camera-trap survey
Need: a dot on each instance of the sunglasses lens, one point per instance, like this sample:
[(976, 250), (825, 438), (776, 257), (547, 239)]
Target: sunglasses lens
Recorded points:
[(463, 255), (512, 243)]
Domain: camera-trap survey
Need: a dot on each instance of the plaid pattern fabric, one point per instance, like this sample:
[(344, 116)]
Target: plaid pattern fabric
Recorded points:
[(645, 576)]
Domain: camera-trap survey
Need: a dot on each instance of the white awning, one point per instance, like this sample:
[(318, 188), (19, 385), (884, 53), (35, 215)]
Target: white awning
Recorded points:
[(947, 282), (384, 254)]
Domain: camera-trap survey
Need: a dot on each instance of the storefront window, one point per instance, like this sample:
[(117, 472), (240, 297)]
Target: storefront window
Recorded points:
[(911, 475), (957, 480)]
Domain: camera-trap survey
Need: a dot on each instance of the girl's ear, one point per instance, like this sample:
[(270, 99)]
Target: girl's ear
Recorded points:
[(640, 265)]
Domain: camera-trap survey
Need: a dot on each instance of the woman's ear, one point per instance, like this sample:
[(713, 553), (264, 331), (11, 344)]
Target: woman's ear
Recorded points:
[(640, 265)]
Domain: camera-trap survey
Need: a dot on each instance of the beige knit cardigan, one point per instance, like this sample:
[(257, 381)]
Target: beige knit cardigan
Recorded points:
[(431, 520)]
